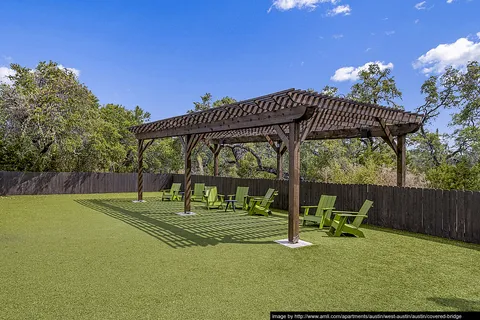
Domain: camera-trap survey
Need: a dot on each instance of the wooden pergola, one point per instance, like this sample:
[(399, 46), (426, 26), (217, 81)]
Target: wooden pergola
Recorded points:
[(284, 119)]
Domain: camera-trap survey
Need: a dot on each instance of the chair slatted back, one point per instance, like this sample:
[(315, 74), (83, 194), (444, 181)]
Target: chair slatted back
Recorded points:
[(212, 195), (198, 189), (363, 211), (325, 201), (268, 196), (175, 188), (242, 192)]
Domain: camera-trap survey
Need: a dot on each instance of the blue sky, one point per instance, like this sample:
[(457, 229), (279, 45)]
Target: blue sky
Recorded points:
[(162, 55)]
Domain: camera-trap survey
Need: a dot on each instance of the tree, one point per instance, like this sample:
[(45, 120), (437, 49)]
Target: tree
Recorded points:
[(377, 86), (49, 119), (437, 153), (119, 146)]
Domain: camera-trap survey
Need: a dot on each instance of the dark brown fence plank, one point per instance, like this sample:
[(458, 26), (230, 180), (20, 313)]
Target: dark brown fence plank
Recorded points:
[(469, 216), (445, 203), (460, 235), (453, 214), (476, 217), (428, 199), (437, 207)]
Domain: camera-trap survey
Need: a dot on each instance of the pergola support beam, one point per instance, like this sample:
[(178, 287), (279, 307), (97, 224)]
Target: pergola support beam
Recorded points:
[(294, 183), (237, 123), (282, 135), (388, 137), (345, 133)]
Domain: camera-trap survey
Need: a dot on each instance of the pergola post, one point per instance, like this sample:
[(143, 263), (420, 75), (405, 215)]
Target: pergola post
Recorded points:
[(294, 182), (188, 174), (140, 171), (401, 161), (191, 141)]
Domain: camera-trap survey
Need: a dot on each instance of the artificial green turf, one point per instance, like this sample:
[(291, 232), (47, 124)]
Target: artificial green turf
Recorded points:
[(104, 257)]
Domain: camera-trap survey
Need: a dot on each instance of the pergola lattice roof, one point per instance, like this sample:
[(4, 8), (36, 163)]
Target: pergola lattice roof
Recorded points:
[(251, 120)]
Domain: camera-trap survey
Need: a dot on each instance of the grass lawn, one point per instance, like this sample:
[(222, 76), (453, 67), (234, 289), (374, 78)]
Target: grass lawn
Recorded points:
[(104, 257)]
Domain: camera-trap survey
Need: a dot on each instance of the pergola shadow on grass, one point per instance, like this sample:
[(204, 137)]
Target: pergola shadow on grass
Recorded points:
[(283, 119), (206, 228)]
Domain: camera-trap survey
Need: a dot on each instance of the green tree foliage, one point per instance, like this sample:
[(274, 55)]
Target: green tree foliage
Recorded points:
[(376, 86), (50, 120), (460, 176), (441, 155)]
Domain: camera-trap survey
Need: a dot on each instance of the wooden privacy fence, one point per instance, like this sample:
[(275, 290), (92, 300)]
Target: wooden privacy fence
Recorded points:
[(444, 213), (22, 183)]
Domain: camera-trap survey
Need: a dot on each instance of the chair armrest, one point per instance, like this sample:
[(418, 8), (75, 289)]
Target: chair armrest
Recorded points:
[(351, 215), (305, 207), (328, 208), (220, 195), (335, 211)]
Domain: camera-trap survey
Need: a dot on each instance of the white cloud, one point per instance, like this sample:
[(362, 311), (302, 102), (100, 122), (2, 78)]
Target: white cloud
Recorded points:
[(456, 54), (337, 36), (284, 5), (450, 1), (389, 33), (421, 5), (76, 72), (345, 10), (478, 35), (352, 73), (4, 73), (368, 49)]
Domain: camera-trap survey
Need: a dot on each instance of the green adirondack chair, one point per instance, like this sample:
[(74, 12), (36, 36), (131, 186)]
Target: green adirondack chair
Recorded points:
[(323, 213), (197, 193), (172, 193), (214, 200), (205, 192), (262, 205), (340, 223), (241, 197)]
